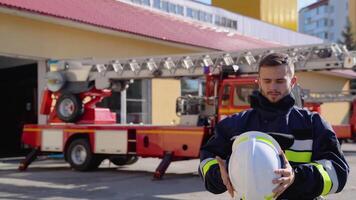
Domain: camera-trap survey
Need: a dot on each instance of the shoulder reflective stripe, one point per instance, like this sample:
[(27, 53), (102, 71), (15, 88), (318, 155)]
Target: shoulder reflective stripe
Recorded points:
[(302, 157), (302, 145), (329, 167), (206, 164), (326, 178), (265, 140)]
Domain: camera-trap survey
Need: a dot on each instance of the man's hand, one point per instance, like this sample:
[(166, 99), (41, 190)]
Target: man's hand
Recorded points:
[(225, 176), (286, 180)]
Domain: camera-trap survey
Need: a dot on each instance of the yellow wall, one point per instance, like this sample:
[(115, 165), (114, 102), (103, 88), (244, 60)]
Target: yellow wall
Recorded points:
[(40, 39), (32, 38), (249, 8), (352, 15), (334, 113), (279, 12), (165, 94)]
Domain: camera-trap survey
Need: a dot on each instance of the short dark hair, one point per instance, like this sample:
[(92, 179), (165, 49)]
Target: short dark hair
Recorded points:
[(277, 59)]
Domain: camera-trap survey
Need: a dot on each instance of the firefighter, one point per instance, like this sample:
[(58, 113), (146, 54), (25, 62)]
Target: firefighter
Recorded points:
[(316, 165)]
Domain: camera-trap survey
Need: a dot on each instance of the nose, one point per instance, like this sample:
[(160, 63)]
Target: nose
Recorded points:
[(273, 86)]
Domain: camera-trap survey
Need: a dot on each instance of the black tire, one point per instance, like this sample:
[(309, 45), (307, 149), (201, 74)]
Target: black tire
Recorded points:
[(69, 107), (80, 157), (123, 160)]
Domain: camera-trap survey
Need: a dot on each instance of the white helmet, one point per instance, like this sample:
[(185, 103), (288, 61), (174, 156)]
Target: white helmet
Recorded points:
[(254, 158)]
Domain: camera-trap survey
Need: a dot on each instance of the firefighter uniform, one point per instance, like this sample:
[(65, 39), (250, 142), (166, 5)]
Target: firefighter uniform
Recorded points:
[(315, 156)]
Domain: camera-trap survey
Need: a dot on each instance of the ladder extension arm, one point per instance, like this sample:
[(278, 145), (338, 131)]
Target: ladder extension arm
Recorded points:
[(104, 72)]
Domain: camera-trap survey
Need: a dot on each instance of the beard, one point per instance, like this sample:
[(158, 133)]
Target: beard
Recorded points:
[(274, 96)]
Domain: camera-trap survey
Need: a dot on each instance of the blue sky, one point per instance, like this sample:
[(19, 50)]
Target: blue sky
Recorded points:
[(301, 3)]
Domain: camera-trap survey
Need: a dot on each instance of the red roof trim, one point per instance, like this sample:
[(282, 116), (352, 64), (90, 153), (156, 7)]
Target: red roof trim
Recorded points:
[(123, 17), (318, 4)]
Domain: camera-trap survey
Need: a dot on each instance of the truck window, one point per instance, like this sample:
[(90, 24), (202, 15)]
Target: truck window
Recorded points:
[(242, 94), (225, 98)]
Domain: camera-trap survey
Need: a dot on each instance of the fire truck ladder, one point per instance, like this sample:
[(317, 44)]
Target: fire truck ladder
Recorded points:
[(105, 73), (325, 97)]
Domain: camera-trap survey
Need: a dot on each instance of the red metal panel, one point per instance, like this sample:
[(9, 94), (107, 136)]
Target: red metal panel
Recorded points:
[(119, 16), (183, 142), (342, 131), (32, 136)]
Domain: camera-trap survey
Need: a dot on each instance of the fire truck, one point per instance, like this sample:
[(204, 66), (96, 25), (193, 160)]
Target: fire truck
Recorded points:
[(86, 134), (314, 100)]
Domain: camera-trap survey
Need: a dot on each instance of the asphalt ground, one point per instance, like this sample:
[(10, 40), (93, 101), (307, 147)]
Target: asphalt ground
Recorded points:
[(49, 179)]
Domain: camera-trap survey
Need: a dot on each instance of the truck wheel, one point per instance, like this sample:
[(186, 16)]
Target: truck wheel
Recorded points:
[(80, 156), (69, 107), (123, 160)]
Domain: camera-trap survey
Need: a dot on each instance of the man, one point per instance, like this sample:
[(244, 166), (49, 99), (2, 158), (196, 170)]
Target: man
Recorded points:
[(315, 164)]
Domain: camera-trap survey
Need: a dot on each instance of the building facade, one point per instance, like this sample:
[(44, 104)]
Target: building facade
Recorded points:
[(272, 20), (325, 19), (282, 13)]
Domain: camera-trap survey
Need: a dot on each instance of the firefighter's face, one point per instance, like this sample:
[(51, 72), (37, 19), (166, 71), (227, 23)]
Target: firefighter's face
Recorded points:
[(275, 82)]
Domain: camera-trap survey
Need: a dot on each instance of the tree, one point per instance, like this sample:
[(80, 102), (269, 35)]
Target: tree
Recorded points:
[(348, 37)]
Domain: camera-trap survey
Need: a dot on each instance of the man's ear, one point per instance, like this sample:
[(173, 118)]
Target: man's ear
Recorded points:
[(293, 81), (258, 81)]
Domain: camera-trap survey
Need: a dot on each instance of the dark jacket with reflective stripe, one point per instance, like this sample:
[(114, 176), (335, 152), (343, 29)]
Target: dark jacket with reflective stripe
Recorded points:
[(315, 142)]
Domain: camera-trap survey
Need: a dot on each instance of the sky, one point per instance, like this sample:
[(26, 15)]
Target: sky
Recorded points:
[(301, 3)]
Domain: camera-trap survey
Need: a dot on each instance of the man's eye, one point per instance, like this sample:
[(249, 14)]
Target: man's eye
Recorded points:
[(267, 81), (280, 81)]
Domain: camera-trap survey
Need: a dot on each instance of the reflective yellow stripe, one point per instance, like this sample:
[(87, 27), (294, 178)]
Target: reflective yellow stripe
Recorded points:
[(243, 139), (298, 156), (269, 197), (265, 140), (326, 178), (208, 165)]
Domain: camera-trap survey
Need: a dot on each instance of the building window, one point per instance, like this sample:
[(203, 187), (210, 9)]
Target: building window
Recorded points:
[(331, 9), (172, 8), (307, 21), (331, 22), (234, 24), (137, 102), (331, 36), (317, 11), (223, 21), (180, 10), (157, 4), (194, 14), (325, 22), (217, 20), (209, 18), (189, 12), (201, 15), (146, 2), (165, 6), (326, 35)]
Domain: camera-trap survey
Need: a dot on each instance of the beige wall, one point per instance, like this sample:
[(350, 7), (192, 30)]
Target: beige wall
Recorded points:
[(165, 94), (334, 113), (33, 38)]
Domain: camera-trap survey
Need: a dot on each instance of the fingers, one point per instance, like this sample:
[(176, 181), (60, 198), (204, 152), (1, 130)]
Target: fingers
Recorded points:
[(225, 176), (283, 172), (230, 189), (280, 180), (279, 189), (221, 162)]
